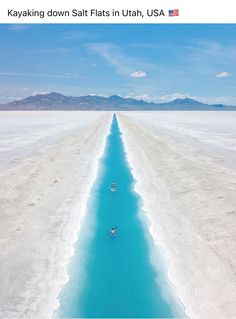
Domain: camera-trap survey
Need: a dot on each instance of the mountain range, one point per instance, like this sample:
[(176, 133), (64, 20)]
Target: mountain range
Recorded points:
[(56, 101)]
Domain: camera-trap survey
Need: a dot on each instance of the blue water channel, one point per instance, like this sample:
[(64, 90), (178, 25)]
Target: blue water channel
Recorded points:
[(112, 276)]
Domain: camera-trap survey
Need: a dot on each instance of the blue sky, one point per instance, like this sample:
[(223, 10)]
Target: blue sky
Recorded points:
[(152, 62)]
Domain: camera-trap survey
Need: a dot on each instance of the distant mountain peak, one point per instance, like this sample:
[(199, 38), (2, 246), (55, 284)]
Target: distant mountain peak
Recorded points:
[(57, 101), (116, 97), (185, 101), (54, 94)]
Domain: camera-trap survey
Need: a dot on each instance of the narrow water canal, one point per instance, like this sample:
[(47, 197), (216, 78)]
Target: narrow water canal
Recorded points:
[(117, 279)]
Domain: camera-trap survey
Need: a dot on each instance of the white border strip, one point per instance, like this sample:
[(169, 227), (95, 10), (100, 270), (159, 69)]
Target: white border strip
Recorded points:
[(201, 11)]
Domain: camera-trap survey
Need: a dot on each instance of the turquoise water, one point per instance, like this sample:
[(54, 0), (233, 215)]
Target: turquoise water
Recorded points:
[(112, 277)]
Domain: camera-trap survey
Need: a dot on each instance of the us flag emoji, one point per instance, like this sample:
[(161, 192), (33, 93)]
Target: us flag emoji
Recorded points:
[(174, 13)]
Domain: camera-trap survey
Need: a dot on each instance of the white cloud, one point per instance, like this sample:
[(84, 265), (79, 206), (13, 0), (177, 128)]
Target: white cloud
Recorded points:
[(144, 97), (216, 100), (56, 76), (112, 55), (75, 35), (18, 27), (71, 75), (203, 99), (173, 96), (39, 92), (10, 98), (138, 74), (97, 94), (222, 75), (119, 60)]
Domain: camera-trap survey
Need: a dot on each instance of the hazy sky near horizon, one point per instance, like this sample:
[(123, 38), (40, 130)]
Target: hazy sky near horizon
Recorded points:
[(152, 62)]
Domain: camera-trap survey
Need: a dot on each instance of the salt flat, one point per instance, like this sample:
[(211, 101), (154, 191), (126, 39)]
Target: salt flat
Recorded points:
[(43, 199), (184, 166), (22, 134), (212, 133)]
